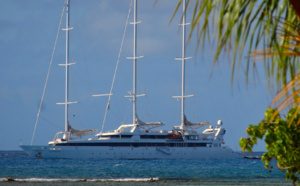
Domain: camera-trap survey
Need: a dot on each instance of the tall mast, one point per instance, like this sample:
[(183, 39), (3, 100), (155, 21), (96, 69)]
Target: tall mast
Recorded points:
[(183, 58), (134, 118), (183, 66), (134, 58), (67, 69), (67, 64)]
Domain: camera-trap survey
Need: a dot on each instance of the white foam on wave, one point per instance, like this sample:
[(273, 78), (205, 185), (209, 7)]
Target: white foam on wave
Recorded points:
[(47, 180), (126, 179), (3, 179), (81, 180)]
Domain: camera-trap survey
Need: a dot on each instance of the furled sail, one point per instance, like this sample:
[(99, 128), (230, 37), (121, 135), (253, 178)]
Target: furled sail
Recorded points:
[(80, 133), (149, 125), (195, 126)]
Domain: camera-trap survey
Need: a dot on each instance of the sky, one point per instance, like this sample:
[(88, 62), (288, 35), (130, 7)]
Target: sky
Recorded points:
[(27, 36)]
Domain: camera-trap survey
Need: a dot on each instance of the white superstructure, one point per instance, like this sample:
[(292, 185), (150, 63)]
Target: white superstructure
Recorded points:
[(138, 140)]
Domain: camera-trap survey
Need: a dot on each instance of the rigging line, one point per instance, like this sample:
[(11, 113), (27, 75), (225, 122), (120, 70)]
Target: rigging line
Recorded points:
[(113, 82), (43, 95)]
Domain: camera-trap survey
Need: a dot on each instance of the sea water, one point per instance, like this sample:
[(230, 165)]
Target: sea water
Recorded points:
[(26, 170)]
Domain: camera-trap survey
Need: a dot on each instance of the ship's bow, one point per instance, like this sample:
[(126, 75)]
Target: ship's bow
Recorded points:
[(33, 150)]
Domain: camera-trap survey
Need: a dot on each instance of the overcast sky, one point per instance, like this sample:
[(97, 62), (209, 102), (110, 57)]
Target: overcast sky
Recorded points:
[(27, 35)]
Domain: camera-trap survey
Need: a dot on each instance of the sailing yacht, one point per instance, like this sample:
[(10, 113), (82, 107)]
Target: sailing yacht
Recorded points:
[(139, 140)]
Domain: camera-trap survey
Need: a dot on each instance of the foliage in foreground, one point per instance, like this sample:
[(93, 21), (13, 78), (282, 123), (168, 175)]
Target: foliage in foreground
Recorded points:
[(282, 139), (247, 26), (267, 30)]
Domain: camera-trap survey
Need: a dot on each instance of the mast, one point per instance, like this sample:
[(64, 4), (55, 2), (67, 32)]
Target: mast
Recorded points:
[(183, 58), (67, 69), (134, 117), (133, 94), (67, 64), (183, 66)]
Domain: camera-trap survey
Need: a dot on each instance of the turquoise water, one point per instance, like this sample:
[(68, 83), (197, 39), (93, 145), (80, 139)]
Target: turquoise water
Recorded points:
[(30, 171)]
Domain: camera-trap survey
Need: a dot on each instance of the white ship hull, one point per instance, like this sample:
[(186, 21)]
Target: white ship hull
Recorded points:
[(132, 153)]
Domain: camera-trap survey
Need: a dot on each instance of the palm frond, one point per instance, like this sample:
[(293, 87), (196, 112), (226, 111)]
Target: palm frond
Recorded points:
[(244, 26)]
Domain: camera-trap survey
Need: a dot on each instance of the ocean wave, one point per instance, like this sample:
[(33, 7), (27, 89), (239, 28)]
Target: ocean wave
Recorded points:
[(78, 180)]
